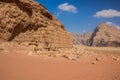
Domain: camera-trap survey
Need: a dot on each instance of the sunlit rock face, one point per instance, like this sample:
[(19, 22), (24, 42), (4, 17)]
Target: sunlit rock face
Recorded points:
[(105, 35), (29, 21)]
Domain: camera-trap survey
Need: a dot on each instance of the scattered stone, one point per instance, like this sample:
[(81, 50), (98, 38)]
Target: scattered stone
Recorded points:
[(30, 53), (70, 56), (115, 59), (52, 55), (38, 53), (37, 49), (24, 44), (65, 56), (1, 49), (6, 51), (74, 53), (97, 59), (94, 62)]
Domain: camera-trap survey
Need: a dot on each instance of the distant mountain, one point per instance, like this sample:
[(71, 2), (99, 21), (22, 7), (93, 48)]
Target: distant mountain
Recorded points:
[(81, 38), (105, 35)]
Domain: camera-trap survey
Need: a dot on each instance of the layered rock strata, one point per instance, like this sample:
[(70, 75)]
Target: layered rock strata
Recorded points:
[(29, 21)]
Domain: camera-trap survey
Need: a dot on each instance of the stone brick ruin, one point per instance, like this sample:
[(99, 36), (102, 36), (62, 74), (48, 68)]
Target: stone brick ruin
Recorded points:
[(28, 21)]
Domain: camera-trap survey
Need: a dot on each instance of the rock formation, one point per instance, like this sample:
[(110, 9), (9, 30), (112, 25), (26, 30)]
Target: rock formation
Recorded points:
[(29, 21), (76, 38), (105, 35), (81, 38)]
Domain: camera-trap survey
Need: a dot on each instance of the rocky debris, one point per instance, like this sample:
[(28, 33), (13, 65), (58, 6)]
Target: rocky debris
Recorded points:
[(105, 35), (115, 58), (26, 21), (74, 53), (31, 53), (96, 60), (22, 49), (70, 56), (81, 38)]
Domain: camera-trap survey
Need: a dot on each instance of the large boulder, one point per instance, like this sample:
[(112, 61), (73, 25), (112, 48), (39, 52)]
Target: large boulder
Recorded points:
[(29, 21), (105, 35)]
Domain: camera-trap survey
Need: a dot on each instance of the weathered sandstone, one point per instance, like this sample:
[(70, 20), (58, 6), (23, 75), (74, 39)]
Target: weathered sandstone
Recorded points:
[(105, 35), (28, 21)]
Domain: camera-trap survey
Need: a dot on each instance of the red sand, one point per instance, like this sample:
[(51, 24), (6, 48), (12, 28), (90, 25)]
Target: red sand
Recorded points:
[(14, 67)]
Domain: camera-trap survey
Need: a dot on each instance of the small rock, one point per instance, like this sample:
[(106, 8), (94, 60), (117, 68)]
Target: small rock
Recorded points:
[(6, 51), (115, 59), (70, 56), (1, 49), (94, 62), (97, 59), (30, 53), (39, 52), (65, 56)]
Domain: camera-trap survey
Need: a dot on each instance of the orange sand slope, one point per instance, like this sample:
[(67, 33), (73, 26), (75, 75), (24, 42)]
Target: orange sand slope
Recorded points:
[(22, 67)]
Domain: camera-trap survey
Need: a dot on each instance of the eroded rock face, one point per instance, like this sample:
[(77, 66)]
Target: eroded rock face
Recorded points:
[(29, 21), (81, 38), (105, 35)]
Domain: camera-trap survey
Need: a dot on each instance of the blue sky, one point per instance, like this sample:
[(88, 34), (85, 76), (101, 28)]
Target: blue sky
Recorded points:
[(84, 15)]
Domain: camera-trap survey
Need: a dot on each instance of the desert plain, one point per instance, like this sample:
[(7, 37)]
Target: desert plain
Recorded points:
[(18, 62)]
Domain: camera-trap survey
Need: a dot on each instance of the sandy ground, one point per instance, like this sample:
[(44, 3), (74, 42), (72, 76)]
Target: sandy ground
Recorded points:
[(23, 67), (19, 63)]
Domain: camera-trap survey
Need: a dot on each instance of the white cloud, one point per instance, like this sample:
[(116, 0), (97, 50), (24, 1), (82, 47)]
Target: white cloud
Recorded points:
[(110, 13), (67, 7), (57, 13), (111, 23)]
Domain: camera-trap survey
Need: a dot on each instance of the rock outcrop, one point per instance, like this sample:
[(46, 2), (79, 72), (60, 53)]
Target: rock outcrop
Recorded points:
[(29, 21), (81, 38), (105, 35)]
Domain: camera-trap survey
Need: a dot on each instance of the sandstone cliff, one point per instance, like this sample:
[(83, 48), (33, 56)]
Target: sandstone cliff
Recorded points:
[(29, 21), (105, 35)]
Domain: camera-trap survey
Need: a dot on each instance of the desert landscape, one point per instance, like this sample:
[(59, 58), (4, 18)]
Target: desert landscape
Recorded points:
[(35, 45), (80, 62)]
